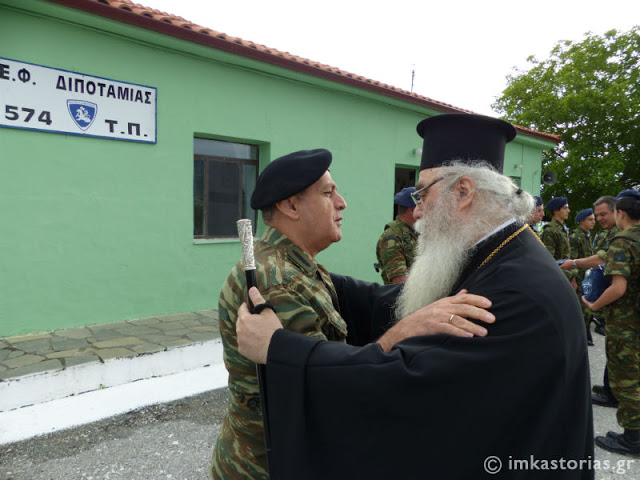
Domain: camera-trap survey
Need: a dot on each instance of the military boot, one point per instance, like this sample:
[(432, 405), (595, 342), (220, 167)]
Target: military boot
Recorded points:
[(604, 400), (589, 337), (627, 443)]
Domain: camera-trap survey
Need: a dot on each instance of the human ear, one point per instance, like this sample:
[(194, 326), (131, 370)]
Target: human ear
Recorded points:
[(466, 190), (289, 207)]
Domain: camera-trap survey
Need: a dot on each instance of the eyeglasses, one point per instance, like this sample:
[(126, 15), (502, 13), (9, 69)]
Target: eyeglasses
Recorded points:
[(418, 195)]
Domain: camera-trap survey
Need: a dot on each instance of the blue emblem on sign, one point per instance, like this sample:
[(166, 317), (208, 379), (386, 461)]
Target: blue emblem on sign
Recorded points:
[(83, 113)]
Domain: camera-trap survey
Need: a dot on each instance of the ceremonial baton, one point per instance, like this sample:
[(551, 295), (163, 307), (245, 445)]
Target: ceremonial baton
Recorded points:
[(246, 240)]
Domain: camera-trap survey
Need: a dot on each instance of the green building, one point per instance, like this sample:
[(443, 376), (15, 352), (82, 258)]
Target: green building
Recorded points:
[(130, 144)]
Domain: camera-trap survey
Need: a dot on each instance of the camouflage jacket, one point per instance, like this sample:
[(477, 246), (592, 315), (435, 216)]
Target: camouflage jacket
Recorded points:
[(580, 247), (396, 250), (623, 258), (555, 236), (305, 299), (601, 241)]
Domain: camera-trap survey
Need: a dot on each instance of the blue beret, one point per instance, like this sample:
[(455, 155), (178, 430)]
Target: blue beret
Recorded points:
[(538, 200), (288, 175), (403, 197), (556, 203), (628, 193), (582, 214)]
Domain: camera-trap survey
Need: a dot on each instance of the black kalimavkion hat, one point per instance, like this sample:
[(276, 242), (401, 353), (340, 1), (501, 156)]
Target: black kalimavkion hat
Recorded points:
[(465, 137)]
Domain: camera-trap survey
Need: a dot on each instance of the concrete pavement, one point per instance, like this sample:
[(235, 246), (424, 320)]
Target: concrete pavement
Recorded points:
[(174, 440)]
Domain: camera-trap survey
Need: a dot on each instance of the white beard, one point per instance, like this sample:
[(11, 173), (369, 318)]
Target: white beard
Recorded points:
[(444, 247)]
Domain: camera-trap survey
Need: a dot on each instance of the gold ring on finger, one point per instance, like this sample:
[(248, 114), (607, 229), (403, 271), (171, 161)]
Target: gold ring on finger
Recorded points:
[(451, 319)]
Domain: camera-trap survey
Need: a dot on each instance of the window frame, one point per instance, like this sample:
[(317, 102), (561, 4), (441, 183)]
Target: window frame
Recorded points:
[(207, 161)]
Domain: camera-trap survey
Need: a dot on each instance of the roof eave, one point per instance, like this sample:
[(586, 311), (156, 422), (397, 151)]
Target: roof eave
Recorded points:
[(199, 37)]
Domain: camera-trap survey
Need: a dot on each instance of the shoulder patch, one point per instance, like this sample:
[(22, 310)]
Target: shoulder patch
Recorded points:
[(297, 257)]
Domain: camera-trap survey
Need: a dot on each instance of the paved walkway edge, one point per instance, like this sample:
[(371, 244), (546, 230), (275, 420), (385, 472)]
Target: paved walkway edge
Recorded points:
[(112, 388), (54, 384)]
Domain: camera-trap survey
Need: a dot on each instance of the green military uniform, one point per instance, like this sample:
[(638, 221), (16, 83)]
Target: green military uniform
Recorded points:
[(601, 241), (555, 236), (623, 327), (580, 247), (396, 250), (305, 299)]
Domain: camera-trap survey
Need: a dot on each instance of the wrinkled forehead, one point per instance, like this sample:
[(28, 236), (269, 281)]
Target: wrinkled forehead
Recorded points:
[(428, 175), (602, 209), (324, 182)]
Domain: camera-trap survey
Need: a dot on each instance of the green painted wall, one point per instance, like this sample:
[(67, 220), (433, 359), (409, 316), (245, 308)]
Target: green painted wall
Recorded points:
[(99, 230)]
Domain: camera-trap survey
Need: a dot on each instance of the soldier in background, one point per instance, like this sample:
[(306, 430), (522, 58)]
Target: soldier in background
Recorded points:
[(580, 246), (604, 208), (536, 216), (396, 247), (623, 324), (555, 234)]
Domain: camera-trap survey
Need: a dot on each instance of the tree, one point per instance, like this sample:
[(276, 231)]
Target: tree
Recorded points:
[(589, 93)]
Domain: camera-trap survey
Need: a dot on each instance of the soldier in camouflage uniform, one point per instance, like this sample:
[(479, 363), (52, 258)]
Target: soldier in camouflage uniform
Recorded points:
[(580, 246), (623, 324), (604, 209), (299, 201), (555, 234), (536, 216), (396, 247)]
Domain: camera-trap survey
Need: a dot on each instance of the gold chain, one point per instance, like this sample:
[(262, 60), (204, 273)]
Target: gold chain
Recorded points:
[(511, 237)]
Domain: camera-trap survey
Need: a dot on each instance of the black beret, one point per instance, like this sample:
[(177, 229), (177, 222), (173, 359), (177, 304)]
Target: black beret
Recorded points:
[(628, 193), (466, 137), (582, 214), (538, 200), (557, 203), (288, 175), (403, 197)]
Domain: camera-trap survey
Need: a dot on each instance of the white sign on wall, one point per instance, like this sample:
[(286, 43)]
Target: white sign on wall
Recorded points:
[(34, 97)]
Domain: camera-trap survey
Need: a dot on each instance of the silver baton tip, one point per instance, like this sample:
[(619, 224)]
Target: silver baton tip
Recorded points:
[(245, 233)]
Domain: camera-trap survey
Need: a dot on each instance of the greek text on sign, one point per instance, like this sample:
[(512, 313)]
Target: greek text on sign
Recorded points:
[(52, 100)]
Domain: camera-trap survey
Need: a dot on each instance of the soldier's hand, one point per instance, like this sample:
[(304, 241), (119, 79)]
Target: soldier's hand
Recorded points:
[(588, 303), (445, 316), (254, 332), (567, 265)]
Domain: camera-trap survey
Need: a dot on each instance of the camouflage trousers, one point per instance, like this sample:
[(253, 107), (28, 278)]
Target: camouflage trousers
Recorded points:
[(623, 355)]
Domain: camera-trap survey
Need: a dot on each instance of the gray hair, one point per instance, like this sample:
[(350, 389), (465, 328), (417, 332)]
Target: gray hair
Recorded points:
[(268, 213), (500, 198), (608, 199)]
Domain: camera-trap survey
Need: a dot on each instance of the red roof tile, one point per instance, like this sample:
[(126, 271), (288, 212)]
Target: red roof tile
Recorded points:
[(146, 17)]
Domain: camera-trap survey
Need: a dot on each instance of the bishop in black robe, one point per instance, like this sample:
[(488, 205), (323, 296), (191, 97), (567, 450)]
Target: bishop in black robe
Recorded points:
[(514, 404)]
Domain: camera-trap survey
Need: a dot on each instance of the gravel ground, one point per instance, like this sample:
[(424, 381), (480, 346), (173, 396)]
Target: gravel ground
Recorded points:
[(165, 441), (175, 441)]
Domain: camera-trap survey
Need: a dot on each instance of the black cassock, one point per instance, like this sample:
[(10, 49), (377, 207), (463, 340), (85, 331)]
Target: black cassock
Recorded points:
[(442, 407)]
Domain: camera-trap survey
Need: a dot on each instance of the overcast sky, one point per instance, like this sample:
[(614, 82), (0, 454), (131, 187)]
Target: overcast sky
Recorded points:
[(461, 51)]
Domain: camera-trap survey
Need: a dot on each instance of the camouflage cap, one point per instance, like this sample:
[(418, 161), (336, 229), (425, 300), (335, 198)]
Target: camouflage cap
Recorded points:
[(288, 175)]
